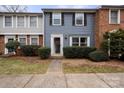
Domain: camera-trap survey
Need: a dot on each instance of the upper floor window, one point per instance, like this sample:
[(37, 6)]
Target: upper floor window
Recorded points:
[(56, 19), (114, 16), (20, 21), (33, 21), (79, 19), (8, 21)]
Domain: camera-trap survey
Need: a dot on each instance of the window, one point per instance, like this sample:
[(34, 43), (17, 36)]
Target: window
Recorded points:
[(33, 21), (56, 19), (114, 17), (79, 41), (34, 40), (20, 21), (83, 41), (8, 21), (22, 40), (79, 19), (75, 41)]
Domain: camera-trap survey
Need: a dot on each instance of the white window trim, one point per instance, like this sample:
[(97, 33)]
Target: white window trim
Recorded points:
[(29, 17), (17, 21), (88, 40), (82, 20), (110, 16), (54, 18), (34, 37), (22, 36), (4, 22)]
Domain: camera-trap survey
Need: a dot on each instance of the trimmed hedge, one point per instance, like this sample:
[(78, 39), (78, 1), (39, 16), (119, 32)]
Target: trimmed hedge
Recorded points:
[(30, 50), (77, 52), (122, 57), (98, 56), (44, 52)]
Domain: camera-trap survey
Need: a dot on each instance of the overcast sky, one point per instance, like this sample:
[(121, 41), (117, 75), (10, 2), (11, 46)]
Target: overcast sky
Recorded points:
[(37, 8)]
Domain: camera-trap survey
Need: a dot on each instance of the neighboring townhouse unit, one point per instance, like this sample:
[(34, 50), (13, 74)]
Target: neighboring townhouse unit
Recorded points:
[(68, 27), (108, 18), (27, 28)]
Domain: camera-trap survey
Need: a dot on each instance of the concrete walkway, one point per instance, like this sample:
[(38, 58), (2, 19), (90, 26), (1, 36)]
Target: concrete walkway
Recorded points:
[(55, 78)]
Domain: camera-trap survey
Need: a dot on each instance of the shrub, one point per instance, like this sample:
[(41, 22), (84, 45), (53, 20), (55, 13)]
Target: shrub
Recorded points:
[(87, 50), (30, 50), (122, 57), (116, 45), (98, 56), (77, 52), (12, 46), (44, 52)]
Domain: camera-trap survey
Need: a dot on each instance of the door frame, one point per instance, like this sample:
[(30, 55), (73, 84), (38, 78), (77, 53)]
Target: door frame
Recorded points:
[(6, 40), (52, 44)]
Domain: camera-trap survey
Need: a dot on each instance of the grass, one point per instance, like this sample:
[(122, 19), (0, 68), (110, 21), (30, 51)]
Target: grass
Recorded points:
[(17, 66), (91, 69)]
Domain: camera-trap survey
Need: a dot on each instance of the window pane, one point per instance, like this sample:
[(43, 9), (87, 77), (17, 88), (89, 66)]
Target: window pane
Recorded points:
[(79, 19), (83, 41), (114, 17), (22, 41), (10, 39), (8, 21), (75, 41), (34, 41), (33, 21), (56, 21), (20, 20)]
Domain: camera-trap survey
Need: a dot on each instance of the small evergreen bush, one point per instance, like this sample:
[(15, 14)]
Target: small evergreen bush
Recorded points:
[(44, 52), (30, 50), (98, 56)]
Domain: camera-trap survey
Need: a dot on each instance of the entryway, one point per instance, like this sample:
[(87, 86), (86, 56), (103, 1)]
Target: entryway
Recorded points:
[(56, 45)]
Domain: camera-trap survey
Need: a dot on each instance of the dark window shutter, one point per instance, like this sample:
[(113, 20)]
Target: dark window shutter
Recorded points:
[(73, 19), (62, 19), (50, 19), (85, 19)]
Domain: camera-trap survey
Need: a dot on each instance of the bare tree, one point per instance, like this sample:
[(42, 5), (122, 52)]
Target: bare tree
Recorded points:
[(13, 8)]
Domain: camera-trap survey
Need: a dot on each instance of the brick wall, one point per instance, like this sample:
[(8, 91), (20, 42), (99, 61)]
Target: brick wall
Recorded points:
[(41, 40), (2, 45), (102, 24)]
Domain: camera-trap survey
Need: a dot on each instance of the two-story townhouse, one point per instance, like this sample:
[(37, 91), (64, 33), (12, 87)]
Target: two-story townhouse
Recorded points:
[(68, 27), (108, 18), (57, 28), (27, 28)]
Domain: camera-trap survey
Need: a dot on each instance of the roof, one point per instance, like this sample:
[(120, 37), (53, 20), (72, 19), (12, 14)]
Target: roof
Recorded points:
[(67, 10), (112, 6), (20, 13)]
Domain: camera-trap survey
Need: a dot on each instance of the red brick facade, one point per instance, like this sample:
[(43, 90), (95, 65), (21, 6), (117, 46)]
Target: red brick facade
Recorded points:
[(2, 45), (102, 24)]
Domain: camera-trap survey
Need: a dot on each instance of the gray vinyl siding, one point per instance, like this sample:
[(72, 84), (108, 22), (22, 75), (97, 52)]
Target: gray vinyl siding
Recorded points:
[(68, 29), (17, 30)]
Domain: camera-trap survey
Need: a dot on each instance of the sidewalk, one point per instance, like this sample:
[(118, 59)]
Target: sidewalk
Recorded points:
[(55, 78)]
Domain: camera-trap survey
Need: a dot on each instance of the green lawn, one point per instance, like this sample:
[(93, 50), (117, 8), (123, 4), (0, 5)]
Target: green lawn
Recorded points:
[(91, 69), (17, 66)]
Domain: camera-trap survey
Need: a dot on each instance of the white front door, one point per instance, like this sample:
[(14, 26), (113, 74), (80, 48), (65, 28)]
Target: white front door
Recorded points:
[(8, 38), (57, 45)]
